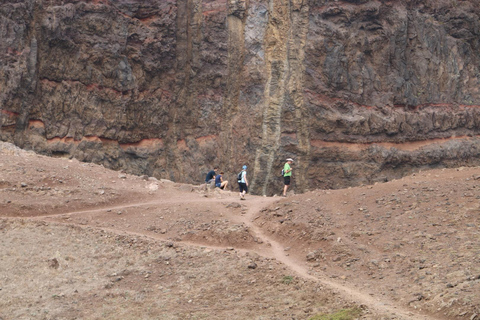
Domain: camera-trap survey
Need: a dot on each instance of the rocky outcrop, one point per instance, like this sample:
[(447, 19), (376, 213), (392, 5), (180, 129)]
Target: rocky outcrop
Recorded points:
[(356, 91)]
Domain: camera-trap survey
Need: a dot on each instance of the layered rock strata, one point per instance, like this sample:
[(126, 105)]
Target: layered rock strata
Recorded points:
[(356, 91)]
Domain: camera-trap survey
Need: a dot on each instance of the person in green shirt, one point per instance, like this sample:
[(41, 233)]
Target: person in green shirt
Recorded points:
[(287, 173)]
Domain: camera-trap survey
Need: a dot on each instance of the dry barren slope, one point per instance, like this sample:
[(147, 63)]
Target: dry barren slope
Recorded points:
[(80, 241), (415, 240)]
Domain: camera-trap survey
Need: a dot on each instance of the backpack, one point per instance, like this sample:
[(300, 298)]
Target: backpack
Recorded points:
[(283, 172), (239, 176)]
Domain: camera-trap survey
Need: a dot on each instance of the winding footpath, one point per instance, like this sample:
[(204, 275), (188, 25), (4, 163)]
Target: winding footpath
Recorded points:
[(273, 249)]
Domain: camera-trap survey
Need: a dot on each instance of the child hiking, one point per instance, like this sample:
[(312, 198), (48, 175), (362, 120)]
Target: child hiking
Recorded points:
[(219, 182)]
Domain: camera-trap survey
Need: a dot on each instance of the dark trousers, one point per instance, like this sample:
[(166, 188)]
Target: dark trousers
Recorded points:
[(243, 187)]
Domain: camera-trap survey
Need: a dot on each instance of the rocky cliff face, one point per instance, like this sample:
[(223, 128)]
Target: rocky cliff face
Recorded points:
[(356, 91)]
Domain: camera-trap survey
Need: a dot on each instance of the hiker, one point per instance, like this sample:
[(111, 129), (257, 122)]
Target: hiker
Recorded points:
[(243, 182), (219, 182), (287, 173), (211, 176)]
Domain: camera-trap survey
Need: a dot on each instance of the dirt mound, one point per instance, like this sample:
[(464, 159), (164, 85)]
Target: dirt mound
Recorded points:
[(81, 241), (414, 241)]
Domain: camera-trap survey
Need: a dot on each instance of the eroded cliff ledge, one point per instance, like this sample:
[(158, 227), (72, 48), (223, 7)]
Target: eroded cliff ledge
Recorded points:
[(356, 91)]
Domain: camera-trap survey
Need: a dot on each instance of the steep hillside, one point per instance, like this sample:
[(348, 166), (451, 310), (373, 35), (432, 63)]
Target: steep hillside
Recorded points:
[(356, 91)]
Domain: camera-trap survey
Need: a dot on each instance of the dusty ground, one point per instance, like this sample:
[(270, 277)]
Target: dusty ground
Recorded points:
[(79, 241)]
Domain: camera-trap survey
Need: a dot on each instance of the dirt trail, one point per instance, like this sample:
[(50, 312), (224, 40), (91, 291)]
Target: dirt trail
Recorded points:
[(406, 249), (277, 251), (272, 249)]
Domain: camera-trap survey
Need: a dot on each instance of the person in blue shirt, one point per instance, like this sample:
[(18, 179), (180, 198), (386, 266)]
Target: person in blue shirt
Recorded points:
[(243, 183), (211, 175), (219, 182)]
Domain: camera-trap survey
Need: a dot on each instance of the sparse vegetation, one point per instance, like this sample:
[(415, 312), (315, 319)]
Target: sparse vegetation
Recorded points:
[(287, 279), (344, 314)]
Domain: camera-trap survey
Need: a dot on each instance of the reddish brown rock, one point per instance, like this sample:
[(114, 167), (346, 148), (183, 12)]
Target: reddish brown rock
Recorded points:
[(355, 91)]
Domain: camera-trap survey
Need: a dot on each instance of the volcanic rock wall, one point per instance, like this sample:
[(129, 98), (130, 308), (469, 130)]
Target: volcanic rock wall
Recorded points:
[(356, 91)]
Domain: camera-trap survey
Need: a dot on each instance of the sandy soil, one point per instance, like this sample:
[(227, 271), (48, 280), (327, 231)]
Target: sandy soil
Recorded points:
[(83, 242)]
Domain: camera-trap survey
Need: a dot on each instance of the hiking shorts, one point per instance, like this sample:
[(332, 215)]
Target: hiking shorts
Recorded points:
[(286, 180), (243, 187)]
